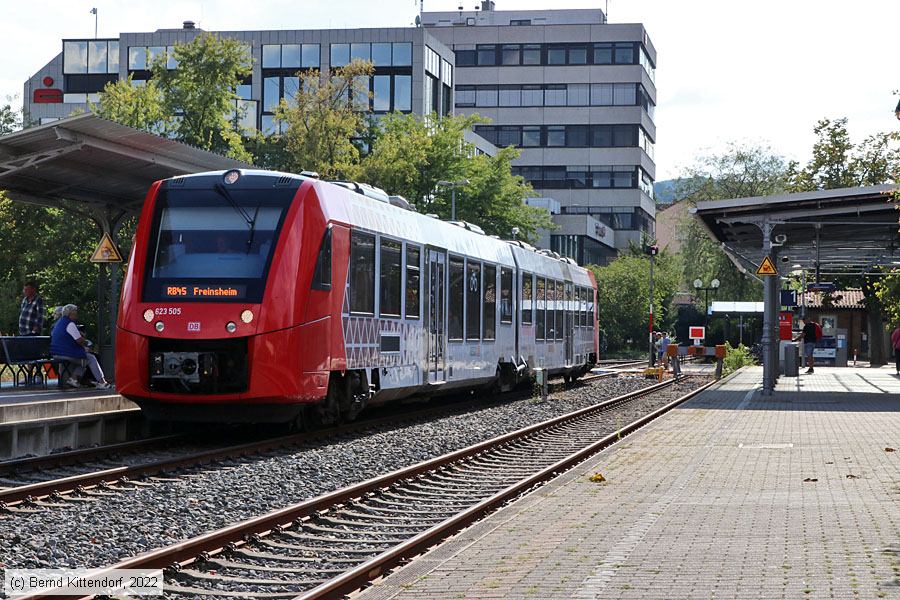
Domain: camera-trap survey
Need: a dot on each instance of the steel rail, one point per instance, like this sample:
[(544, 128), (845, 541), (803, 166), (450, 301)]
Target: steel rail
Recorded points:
[(362, 574), (237, 535), (43, 489)]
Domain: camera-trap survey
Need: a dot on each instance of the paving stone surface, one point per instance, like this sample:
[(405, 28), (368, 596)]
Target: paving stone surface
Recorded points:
[(732, 495)]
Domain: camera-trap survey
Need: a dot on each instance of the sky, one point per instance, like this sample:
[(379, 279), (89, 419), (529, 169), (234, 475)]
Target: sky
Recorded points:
[(758, 72)]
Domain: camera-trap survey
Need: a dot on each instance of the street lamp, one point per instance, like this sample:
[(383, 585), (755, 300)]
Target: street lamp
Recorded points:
[(453, 185), (713, 285)]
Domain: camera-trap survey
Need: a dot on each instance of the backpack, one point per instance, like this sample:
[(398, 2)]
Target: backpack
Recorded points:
[(818, 332)]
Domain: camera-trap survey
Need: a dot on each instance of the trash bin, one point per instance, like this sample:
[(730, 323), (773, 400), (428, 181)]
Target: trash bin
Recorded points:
[(791, 360)]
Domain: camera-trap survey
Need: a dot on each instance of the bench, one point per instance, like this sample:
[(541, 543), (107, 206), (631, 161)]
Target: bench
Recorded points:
[(25, 356)]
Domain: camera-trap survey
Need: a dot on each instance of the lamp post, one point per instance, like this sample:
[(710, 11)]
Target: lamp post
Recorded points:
[(453, 185), (713, 285)]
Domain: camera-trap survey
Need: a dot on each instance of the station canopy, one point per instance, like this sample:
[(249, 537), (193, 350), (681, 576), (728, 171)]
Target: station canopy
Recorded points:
[(832, 232), (100, 164)]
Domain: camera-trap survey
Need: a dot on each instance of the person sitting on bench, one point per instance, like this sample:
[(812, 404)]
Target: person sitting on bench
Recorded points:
[(68, 345)]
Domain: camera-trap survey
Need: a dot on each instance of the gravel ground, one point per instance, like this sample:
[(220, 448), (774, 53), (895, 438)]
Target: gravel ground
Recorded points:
[(106, 529)]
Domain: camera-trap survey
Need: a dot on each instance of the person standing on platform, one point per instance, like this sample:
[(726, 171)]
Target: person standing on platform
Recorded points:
[(68, 345), (895, 344), (810, 337), (663, 349), (31, 315)]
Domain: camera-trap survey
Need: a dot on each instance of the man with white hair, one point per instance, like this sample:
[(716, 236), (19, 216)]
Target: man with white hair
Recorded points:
[(68, 345)]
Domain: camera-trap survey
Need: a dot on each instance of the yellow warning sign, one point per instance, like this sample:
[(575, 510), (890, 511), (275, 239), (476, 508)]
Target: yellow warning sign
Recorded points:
[(106, 251), (767, 267)]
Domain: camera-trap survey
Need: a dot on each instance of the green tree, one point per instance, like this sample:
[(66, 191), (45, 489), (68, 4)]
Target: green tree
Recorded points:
[(138, 106), (323, 119), (740, 171), (624, 298), (837, 163), (411, 154), (10, 118)]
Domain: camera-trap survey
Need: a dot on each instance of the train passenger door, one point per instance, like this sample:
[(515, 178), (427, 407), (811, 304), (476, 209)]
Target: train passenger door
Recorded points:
[(569, 327), (437, 302)]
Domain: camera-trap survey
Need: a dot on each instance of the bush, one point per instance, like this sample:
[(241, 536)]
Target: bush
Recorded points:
[(735, 358)]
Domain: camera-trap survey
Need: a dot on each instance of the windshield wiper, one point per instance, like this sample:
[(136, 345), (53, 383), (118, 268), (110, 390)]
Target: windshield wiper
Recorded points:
[(251, 221)]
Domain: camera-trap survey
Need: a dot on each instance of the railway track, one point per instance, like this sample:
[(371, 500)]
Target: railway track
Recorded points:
[(336, 543), (30, 482)]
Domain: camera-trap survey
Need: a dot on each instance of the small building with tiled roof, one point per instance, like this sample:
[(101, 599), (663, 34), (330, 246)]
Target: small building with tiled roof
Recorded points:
[(841, 309)]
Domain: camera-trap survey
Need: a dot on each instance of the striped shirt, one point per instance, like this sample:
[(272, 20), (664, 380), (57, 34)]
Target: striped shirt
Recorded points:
[(31, 319)]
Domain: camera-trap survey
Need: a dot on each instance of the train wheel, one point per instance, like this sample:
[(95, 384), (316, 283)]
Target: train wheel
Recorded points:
[(327, 412)]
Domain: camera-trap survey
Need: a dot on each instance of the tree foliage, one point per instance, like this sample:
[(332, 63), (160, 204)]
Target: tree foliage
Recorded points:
[(324, 118), (624, 298), (138, 106), (742, 170), (411, 154), (195, 103), (10, 118)]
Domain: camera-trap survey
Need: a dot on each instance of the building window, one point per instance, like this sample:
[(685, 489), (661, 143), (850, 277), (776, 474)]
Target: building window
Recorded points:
[(362, 273), (532, 95), (555, 95), (490, 302), (473, 300), (456, 299), (340, 55), (531, 54), (510, 54), (75, 59), (624, 94), (486, 96), (97, 57), (361, 51), (556, 55), (413, 282), (510, 95), (577, 136), (487, 55), (465, 95), (578, 94), (624, 54), (527, 297), (531, 136), (578, 55), (509, 136), (402, 54), (556, 136), (403, 93), (506, 295), (381, 54), (465, 58), (390, 278), (603, 54), (381, 101)]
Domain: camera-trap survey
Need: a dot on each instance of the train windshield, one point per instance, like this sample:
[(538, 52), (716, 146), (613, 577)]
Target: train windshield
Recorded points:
[(213, 245)]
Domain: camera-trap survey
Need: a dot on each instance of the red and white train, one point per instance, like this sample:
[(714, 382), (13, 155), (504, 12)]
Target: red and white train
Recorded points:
[(256, 296)]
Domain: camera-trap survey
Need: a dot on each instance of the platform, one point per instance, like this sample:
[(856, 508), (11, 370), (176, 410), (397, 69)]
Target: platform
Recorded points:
[(731, 495)]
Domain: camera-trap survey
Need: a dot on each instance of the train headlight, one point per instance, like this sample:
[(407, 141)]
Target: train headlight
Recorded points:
[(159, 326), (247, 316), (148, 315), (230, 327), (231, 176)]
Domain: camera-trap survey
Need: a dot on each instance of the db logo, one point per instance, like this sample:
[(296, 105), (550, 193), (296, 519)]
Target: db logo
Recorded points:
[(193, 326)]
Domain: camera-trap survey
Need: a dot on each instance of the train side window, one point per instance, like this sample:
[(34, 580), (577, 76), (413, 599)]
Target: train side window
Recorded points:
[(473, 300), (322, 274), (560, 304), (527, 297), (541, 303), (413, 282), (362, 272), (390, 278), (551, 311), (582, 313), (456, 298), (506, 295), (490, 302), (590, 309)]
